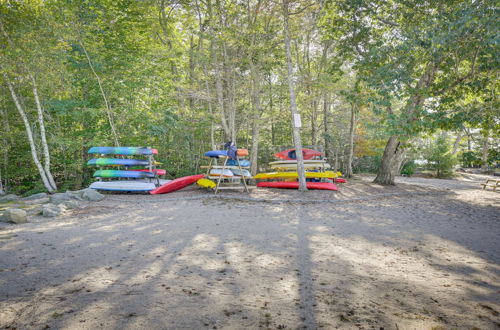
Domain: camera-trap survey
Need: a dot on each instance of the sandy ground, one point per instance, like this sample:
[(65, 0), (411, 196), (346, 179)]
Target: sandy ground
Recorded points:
[(422, 255)]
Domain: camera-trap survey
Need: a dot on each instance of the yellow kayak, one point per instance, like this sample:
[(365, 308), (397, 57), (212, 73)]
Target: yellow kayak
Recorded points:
[(206, 183), (293, 175)]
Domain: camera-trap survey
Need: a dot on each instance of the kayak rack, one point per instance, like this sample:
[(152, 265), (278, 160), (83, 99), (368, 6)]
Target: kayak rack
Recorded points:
[(234, 182)]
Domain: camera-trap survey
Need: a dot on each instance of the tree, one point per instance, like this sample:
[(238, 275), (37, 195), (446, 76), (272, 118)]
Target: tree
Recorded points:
[(414, 57)]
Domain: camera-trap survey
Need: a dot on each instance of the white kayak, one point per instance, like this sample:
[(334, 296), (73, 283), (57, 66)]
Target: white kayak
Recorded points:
[(126, 185), (243, 173), (219, 172)]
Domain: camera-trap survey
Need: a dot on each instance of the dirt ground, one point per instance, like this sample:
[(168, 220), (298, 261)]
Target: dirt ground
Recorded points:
[(421, 255)]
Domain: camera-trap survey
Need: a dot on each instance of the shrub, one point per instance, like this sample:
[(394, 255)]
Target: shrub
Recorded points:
[(440, 158)]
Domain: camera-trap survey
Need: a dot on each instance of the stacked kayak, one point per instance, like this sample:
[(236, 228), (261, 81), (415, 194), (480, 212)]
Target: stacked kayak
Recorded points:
[(138, 174), (227, 168), (286, 175)]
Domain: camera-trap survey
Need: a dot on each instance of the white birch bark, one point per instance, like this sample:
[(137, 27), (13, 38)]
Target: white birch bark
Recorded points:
[(29, 133), (45, 147)]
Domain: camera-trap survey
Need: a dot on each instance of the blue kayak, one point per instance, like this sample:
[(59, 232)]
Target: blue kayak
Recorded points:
[(123, 151), (243, 162), (117, 161), (216, 153), (123, 174)]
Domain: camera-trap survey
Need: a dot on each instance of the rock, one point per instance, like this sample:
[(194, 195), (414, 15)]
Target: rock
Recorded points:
[(14, 215), (51, 210), (59, 198), (43, 200), (92, 195), (76, 194), (36, 196), (8, 198), (71, 204)]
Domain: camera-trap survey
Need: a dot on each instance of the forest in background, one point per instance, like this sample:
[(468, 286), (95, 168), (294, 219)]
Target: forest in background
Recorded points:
[(379, 84)]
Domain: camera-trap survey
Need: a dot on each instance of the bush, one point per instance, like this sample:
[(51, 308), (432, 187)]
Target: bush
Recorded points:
[(440, 158), (470, 159), (409, 168), (366, 164)]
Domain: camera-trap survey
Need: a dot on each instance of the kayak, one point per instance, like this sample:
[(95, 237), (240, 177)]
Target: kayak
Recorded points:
[(117, 161), (295, 185), (122, 186), (123, 174), (123, 151), (244, 173), (206, 183), (290, 154), (292, 164), (287, 175), (177, 184), (156, 171), (223, 153), (219, 172), (243, 162)]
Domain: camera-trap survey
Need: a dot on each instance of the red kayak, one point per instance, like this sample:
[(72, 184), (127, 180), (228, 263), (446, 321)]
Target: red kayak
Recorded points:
[(340, 180), (177, 184), (295, 185), (155, 171), (289, 154)]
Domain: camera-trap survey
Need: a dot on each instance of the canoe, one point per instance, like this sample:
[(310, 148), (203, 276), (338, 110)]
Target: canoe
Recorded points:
[(157, 171), (219, 172), (123, 174), (290, 154), (123, 151), (243, 173), (123, 186), (243, 162), (206, 183), (117, 161), (287, 175), (295, 185), (340, 180), (177, 184)]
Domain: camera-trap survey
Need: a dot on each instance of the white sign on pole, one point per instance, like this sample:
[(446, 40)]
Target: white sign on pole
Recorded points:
[(296, 120)]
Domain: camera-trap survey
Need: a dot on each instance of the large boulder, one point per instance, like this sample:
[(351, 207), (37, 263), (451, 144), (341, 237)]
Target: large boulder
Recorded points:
[(60, 198), (92, 195), (52, 210), (14, 215), (36, 196), (72, 204), (8, 198), (42, 200), (75, 194)]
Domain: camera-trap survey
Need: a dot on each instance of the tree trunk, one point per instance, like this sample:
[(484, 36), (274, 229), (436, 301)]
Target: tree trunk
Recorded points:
[(45, 147), (350, 152), (29, 133), (457, 142), (484, 156), (326, 117), (391, 162), (293, 102)]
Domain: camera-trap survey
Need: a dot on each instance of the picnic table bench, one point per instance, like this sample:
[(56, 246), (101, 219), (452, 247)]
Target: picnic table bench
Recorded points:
[(494, 183)]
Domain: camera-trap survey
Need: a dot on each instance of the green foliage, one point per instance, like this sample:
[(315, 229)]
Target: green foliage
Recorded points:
[(367, 164), (409, 168), (440, 158), (470, 159)]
